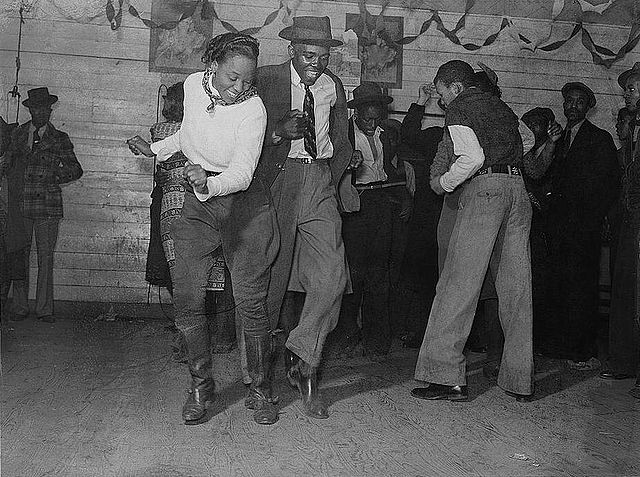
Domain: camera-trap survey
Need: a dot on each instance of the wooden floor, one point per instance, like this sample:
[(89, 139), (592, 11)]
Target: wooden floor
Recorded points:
[(94, 398)]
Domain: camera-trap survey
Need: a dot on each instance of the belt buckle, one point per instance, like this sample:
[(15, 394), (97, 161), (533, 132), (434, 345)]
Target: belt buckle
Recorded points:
[(306, 160)]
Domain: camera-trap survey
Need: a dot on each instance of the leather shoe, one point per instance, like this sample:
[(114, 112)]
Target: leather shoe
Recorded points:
[(441, 391), (520, 397), (18, 317), (306, 379), (200, 398), (615, 376)]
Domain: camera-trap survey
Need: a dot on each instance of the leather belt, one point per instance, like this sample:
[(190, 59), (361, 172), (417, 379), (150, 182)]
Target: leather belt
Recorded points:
[(500, 169), (378, 185), (307, 160)]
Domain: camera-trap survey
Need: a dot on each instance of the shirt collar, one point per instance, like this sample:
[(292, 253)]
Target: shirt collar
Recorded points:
[(576, 126), (41, 130)]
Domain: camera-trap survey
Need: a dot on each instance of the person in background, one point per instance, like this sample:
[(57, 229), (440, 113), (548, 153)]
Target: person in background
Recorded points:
[(625, 123), (585, 184), (39, 158), (624, 332), (491, 230), (368, 233), (221, 136), (419, 269), (305, 154), (13, 242), (537, 161)]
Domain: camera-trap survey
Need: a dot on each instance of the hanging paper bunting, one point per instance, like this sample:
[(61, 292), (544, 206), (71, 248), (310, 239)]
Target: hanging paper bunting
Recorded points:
[(115, 18), (368, 21), (558, 6), (599, 9)]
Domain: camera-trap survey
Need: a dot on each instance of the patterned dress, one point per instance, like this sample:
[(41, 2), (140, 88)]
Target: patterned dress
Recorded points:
[(169, 177)]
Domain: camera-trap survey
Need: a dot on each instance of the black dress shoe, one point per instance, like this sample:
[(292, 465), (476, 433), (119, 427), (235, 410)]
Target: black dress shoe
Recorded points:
[(441, 391), (615, 376), (306, 379), (18, 317), (520, 397)]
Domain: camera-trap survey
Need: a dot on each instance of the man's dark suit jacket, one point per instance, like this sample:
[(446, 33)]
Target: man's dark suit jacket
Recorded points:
[(274, 86), (585, 181)]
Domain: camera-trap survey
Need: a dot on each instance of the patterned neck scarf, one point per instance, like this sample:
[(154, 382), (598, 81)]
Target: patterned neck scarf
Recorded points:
[(215, 97)]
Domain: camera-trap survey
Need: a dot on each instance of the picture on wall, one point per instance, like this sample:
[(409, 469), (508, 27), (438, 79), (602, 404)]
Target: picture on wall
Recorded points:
[(378, 50), (179, 49)]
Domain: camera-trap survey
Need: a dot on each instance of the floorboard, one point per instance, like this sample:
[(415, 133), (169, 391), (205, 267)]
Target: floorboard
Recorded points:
[(92, 398)]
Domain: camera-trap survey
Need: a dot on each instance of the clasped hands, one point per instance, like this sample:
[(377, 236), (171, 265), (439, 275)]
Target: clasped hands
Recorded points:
[(194, 174)]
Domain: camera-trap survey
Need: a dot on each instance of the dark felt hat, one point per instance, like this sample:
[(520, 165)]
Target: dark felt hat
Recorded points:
[(544, 114), (580, 87), (310, 31), (368, 92), (39, 97), (493, 77), (622, 79)]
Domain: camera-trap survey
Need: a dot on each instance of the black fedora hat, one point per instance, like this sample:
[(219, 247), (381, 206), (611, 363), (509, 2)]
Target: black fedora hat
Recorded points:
[(544, 114), (310, 31), (622, 79), (580, 87), (39, 97), (368, 92)]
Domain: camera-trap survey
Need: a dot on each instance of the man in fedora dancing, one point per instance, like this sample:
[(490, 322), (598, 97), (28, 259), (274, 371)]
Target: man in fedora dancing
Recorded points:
[(306, 151), (40, 158)]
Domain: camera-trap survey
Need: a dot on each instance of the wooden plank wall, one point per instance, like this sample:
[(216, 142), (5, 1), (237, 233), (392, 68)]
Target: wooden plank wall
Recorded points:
[(107, 94)]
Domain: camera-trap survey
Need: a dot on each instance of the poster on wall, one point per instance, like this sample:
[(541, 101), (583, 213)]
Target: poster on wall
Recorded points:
[(178, 50), (378, 50)]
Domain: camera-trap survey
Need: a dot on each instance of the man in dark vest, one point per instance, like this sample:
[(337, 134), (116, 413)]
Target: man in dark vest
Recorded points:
[(306, 151), (491, 230), (585, 183)]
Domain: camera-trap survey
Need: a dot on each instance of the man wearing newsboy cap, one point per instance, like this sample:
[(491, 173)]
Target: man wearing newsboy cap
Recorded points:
[(306, 150), (40, 158), (585, 181)]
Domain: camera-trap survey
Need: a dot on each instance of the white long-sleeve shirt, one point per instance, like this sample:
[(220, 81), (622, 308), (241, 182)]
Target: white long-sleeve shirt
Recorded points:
[(227, 140), (470, 157)]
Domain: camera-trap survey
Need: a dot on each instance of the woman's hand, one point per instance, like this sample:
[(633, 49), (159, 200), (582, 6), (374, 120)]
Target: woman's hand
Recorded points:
[(196, 176), (138, 146)]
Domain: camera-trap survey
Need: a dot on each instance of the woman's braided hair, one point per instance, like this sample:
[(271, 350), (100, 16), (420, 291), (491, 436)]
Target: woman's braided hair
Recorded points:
[(228, 45)]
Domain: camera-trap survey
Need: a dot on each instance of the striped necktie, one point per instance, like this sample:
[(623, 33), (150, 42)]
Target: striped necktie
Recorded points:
[(309, 134)]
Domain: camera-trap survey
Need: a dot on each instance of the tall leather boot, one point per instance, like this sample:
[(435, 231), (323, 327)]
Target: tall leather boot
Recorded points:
[(201, 393), (260, 356), (306, 379)]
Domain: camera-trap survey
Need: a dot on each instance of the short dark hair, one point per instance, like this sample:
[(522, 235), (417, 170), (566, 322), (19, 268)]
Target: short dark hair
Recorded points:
[(455, 70), (229, 45), (633, 76), (484, 83), (173, 102), (624, 113)]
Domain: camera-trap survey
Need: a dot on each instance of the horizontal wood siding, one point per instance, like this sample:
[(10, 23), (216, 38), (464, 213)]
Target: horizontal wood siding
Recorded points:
[(107, 95)]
